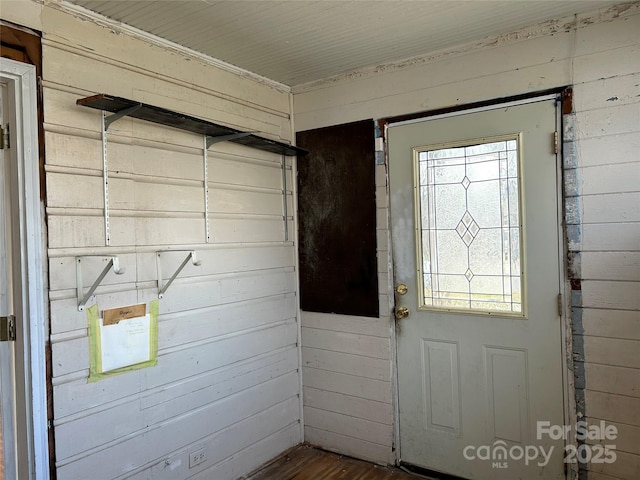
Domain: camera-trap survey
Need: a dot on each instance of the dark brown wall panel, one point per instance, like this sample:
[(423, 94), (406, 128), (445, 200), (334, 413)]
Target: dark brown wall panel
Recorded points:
[(337, 220)]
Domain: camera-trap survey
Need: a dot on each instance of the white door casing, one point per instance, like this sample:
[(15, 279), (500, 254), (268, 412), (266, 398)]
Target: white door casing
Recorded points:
[(7, 382), (28, 247), (473, 379)]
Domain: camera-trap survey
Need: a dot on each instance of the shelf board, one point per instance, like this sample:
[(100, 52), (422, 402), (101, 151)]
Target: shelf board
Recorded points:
[(163, 116)]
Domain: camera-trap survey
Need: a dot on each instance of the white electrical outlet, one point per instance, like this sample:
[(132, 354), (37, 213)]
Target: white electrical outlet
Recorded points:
[(197, 457)]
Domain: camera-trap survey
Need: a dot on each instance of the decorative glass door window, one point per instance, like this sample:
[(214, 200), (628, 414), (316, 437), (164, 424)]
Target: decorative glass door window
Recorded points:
[(468, 225)]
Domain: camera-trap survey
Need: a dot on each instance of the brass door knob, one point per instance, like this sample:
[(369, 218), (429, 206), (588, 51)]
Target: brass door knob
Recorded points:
[(401, 289), (402, 312)]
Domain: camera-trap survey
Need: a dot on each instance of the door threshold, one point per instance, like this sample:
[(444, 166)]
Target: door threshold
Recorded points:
[(426, 473)]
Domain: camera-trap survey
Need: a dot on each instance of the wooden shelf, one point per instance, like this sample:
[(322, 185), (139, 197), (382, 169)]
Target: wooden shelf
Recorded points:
[(163, 116)]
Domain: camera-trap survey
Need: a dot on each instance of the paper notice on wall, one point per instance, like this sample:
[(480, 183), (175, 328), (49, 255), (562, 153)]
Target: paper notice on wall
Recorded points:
[(123, 340), (125, 343)]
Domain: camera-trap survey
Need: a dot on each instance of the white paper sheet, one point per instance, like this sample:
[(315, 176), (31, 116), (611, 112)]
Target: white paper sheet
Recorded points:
[(125, 343)]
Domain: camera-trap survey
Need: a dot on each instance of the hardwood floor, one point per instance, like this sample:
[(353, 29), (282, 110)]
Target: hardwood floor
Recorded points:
[(308, 463)]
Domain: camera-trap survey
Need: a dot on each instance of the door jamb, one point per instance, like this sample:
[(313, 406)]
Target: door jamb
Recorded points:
[(569, 404), (31, 311)]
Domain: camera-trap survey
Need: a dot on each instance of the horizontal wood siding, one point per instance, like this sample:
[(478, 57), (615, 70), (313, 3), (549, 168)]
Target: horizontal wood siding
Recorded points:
[(348, 389), (599, 58), (347, 385), (606, 192), (227, 377)]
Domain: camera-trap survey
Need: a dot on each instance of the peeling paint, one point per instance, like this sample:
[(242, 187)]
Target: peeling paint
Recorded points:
[(574, 237), (574, 265), (571, 183), (569, 155), (581, 407), (576, 301), (576, 322), (569, 127), (578, 361), (548, 28), (573, 222), (579, 376), (573, 210)]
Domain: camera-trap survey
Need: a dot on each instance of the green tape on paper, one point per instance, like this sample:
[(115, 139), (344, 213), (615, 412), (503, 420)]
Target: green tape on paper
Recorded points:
[(112, 351)]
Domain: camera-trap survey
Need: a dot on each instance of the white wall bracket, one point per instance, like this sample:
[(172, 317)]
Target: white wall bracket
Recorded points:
[(107, 120), (285, 213), (205, 165), (163, 287), (82, 300), (208, 142)]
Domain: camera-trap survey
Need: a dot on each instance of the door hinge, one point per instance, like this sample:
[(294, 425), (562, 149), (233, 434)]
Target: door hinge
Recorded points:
[(5, 138), (555, 142), (560, 305), (8, 329)]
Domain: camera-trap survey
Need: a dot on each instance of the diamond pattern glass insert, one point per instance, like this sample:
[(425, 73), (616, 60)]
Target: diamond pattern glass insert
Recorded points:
[(469, 212), (467, 228)]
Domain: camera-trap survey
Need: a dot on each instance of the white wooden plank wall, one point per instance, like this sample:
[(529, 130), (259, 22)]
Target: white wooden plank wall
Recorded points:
[(347, 381), (227, 376), (600, 59), (607, 132)]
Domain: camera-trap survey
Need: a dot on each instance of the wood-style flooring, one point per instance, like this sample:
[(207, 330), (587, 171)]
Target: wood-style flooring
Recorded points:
[(308, 463)]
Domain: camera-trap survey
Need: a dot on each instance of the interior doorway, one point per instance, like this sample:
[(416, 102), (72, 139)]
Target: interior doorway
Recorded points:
[(22, 295)]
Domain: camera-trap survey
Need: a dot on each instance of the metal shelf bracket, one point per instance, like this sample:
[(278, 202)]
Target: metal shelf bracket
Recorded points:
[(163, 287), (118, 115), (82, 300), (225, 138)]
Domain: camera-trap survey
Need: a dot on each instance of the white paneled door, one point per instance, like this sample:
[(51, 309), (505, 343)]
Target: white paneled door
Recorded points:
[(475, 230)]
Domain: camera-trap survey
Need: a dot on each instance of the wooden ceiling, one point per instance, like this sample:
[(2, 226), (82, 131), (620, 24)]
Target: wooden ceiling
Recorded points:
[(300, 41)]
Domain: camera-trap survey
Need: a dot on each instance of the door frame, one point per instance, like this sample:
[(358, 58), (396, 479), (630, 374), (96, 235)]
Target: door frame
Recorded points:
[(569, 393), (30, 309)]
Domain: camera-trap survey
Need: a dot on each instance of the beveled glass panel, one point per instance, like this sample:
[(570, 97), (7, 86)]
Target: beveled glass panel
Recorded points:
[(449, 206), (504, 201), (514, 238), (453, 259), (485, 253), (489, 170), (485, 148), (447, 153), (514, 203), (484, 287), (451, 304), (468, 206), (449, 174), (456, 286), (484, 203)]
